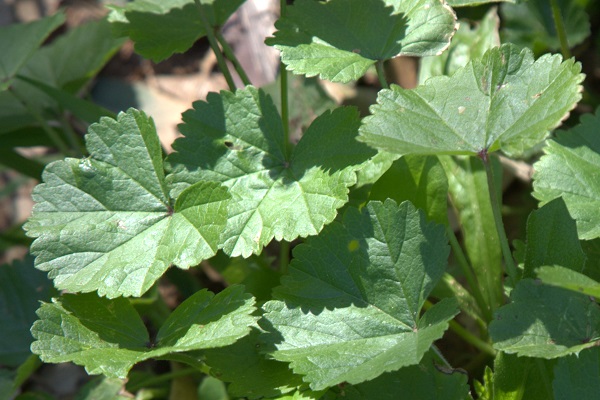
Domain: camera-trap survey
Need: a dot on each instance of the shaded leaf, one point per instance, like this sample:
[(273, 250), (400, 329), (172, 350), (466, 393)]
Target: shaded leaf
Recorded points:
[(22, 287), (19, 42), (418, 179), (106, 222), (349, 309), (251, 374), (577, 377), (470, 3), (570, 170), (517, 378), (552, 239), (546, 322), (160, 29), (108, 336), (506, 100), (426, 381), (531, 24), (340, 39), (238, 139)]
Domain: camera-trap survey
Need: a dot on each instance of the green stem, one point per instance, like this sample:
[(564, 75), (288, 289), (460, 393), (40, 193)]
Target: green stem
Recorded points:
[(214, 45), (560, 29), (230, 55), (467, 271), (162, 378), (52, 134), (381, 74), (466, 335), (72, 136), (511, 268), (284, 91)]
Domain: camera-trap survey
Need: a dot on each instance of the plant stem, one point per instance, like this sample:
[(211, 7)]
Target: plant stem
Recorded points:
[(52, 134), (466, 335), (467, 271), (72, 136), (560, 29), (214, 45), (284, 91), (230, 55), (381, 74), (511, 268)]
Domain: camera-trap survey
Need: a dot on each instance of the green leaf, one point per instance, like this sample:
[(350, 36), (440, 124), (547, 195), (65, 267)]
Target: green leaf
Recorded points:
[(577, 377), (467, 44), (19, 42), (426, 381), (103, 389), (569, 279), (517, 378), (507, 100), (237, 139), (340, 39), (418, 179), (552, 239), (61, 64), (160, 29), (250, 373), (531, 24), (106, 222), (12, 159), (108, 336), (351, 303), (212, 389), (468, 189), (545, 321), (22, 287), (569, 170), (470, 3)]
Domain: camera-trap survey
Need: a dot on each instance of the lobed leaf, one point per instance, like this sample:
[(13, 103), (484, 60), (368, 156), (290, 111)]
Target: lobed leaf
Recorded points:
[(108, 336), (576, 377), (507, 100), (546, 322), (160, 29), (237, 139), (340, 39), (349, 309), (106, 222), (570, 170)]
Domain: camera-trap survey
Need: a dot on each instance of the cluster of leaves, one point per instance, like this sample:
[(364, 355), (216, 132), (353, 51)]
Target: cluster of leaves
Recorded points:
[(346, 319)]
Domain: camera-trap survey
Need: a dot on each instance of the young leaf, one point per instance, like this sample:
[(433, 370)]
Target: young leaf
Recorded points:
[(19, 41), (106, 222), (570, 170), (546, 322), (22, 287), (552, 239), (237, 139), (340, 39), (161, 28), (108, 336), (467, 44), (576, 377), (518, 378), (349, 309), (507, 100)]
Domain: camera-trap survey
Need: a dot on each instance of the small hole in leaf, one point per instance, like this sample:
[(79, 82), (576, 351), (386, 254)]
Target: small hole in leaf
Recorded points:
[(228, 144)]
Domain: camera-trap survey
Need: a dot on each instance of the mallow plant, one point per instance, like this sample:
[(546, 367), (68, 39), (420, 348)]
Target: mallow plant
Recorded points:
[(342, 269)]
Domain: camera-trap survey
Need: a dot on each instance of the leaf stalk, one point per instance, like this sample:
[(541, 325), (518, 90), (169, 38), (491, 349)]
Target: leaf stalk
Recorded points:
[(381, 74), (214, 45), (560, 29), (511, 268), (283, 83), (230, 55)]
